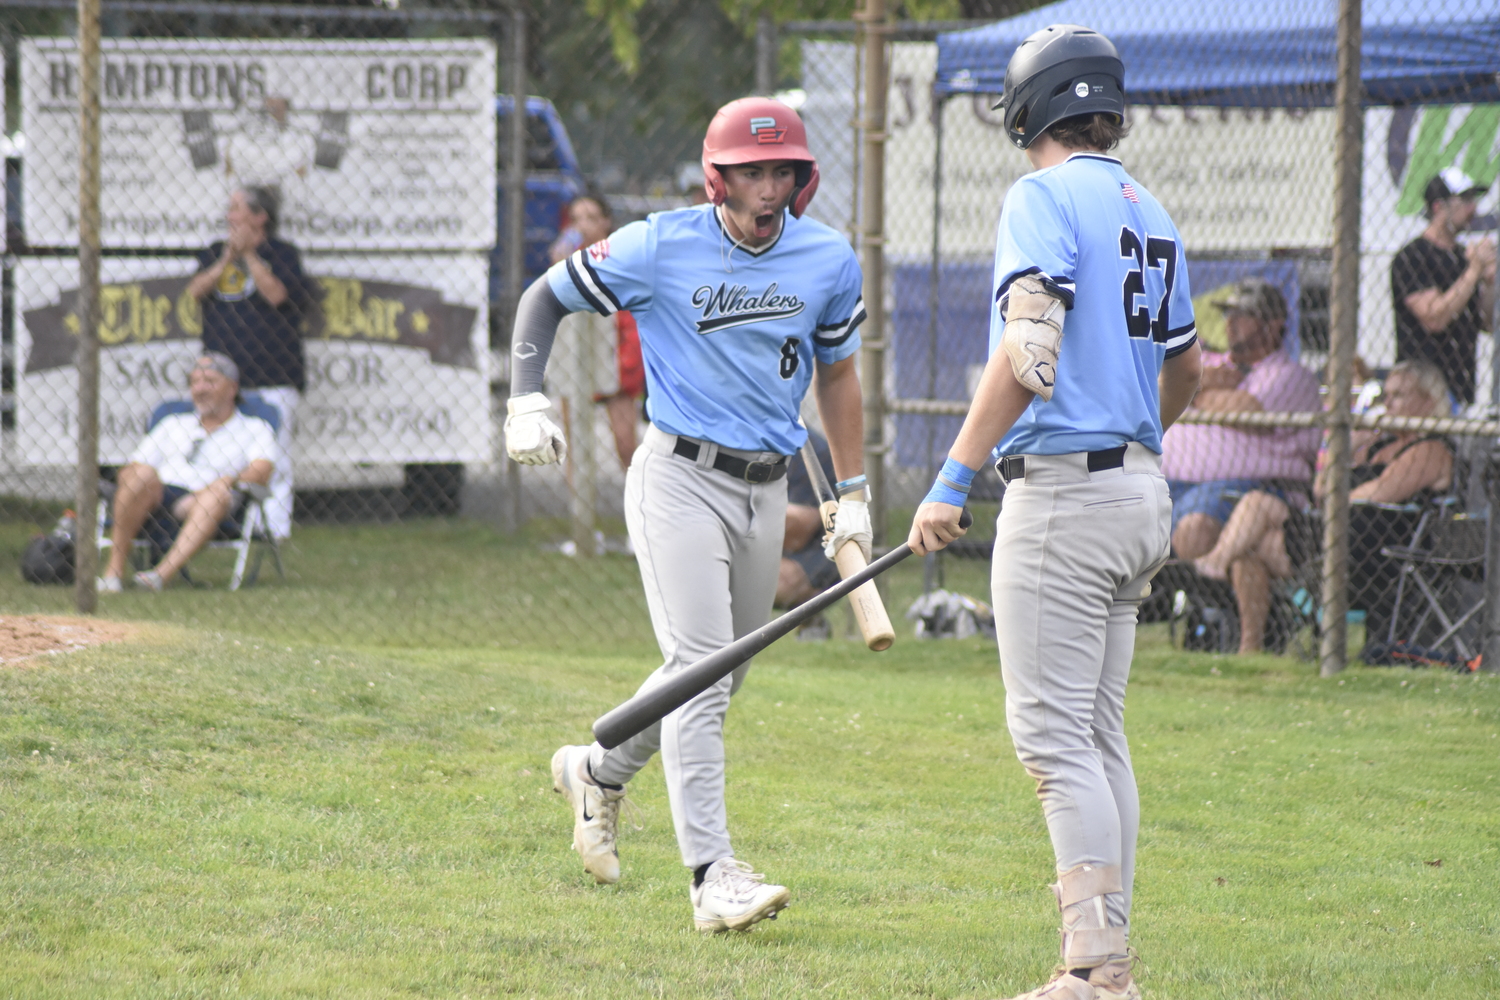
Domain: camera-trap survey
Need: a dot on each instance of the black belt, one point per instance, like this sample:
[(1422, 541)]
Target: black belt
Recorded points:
[(750, 472), (1013, 467)]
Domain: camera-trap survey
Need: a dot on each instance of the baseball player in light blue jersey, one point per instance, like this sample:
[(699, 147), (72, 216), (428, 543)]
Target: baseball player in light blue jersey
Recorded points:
[(1093, 353), (738, 303)]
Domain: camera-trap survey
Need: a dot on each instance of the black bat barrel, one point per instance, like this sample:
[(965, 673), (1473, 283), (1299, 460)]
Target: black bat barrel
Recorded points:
[(639, 713)]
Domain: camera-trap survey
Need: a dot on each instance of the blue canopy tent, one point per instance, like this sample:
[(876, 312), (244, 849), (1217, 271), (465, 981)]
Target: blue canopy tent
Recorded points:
[(1271, 53)]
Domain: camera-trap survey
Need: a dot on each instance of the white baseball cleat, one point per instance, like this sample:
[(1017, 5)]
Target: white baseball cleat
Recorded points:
[(1110, 981), (731, 897), (596, 813)]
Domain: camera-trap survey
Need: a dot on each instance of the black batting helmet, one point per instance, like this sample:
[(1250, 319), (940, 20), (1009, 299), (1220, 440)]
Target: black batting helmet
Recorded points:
[(1059, 72)]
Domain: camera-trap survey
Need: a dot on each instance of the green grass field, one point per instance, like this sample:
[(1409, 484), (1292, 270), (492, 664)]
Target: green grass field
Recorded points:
[(337, 786)]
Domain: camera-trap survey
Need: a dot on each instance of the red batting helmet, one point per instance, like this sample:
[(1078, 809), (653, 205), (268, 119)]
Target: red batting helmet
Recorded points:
[(753, 129)]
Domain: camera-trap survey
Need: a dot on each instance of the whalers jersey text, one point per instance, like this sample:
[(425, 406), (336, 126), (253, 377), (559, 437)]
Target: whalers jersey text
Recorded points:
[(1111, 253), (728, 334)]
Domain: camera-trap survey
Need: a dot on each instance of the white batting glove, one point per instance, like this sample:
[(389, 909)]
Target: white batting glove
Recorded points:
[(530, 437), (851, 521)]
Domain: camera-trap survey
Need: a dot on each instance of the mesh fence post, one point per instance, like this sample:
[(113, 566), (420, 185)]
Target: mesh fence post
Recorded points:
[(86, 495), (1343, 331), (765, 55), (1490, 661), (515, 214), (872, 359)]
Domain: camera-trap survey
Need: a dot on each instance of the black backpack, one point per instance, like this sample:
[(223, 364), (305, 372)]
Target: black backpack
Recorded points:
[(48, 559)]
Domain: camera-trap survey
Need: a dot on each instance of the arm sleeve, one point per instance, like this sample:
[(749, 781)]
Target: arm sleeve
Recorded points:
[(1182, 327), (537, 316), (837, 335), (615, 273), (1036, 236)]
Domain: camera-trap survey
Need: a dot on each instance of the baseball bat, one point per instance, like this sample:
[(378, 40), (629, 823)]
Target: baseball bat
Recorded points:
[(634, 716), (869, 609)]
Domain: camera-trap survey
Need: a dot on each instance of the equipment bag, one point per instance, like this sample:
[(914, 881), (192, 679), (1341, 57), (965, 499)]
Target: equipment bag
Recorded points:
[(48, 559)]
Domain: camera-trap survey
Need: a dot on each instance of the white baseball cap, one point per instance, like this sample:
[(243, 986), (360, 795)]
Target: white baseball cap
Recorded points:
[(1452, 182)]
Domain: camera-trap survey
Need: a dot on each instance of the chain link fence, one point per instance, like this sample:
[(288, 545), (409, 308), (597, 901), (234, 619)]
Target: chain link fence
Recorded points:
[(1233, 130), (320, 193), (384, 142)]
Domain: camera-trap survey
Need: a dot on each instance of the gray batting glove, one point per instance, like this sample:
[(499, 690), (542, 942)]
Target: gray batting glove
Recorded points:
[(850, 522), (530, 437)]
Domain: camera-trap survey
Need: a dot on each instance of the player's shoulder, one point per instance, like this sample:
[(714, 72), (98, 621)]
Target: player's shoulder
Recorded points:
[(692, 220), (808, 233)]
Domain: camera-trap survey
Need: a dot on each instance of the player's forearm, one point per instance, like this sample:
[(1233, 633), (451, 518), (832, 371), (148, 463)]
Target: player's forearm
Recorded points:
[(842, 409), (1178, 383), (998, 404), (537, 316)]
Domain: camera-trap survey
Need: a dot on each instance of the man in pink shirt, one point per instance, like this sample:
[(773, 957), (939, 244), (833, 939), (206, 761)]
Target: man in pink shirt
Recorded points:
[(1209, 467)]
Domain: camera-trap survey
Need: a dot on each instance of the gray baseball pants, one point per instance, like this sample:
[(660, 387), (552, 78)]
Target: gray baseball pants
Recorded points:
[(1074, 555), (709, 547)]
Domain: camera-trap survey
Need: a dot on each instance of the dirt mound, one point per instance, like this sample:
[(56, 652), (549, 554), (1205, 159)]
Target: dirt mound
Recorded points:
[(25, 636)]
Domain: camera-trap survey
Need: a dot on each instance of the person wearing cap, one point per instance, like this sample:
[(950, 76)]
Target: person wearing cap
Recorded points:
[(1444, 292), (1209, 467), (738, 303), (185, 471)]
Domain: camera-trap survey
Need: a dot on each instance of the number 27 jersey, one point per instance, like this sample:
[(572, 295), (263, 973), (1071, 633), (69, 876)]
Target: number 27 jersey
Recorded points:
[(1112, 254), (728, 335)]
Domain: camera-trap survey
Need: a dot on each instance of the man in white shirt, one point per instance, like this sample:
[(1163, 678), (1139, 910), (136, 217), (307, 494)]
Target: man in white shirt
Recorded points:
[(187, 468)]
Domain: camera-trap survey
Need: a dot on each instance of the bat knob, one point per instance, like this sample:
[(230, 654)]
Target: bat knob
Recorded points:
[(965, 519)]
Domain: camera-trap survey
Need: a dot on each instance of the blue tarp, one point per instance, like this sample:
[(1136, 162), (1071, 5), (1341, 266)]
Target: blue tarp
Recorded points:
[(1266, 53)]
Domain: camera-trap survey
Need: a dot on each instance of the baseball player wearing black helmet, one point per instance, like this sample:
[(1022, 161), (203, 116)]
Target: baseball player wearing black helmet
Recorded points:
[(1087, 514)]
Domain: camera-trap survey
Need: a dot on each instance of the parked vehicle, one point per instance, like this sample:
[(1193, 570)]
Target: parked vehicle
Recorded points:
[(553, 179)]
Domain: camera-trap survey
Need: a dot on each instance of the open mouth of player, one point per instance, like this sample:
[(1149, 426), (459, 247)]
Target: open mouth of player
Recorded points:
[(765, 225)]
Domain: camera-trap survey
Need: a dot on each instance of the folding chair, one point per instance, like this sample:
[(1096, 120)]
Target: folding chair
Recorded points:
[(251, 532), (1442, 574), (1208, 612)]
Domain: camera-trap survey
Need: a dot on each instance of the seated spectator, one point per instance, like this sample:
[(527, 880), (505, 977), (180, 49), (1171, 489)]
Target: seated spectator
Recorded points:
[(185, 471), (1386, 468), (805, 570), (1209, 467)]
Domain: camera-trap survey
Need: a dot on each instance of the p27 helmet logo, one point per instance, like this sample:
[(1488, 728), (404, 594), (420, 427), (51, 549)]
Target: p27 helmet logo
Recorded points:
[(766, 131)]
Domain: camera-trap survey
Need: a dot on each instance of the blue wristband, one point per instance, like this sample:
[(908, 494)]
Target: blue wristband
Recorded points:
[(952, 485), (851, 484)]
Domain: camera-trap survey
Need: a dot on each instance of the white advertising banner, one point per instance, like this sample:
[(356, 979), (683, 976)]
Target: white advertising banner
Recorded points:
[(1234, 180), (397, 357), (371, 144)]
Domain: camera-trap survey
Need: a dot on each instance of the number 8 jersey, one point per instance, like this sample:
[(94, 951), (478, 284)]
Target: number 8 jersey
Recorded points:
[(1108, 249), (728, 333)]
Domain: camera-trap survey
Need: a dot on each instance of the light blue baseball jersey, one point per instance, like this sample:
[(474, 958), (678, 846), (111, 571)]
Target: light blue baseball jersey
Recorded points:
[(1109, 250), (728, 334)]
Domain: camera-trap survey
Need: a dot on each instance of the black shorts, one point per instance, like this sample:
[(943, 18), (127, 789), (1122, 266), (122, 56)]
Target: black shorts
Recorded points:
[(161, 525)]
